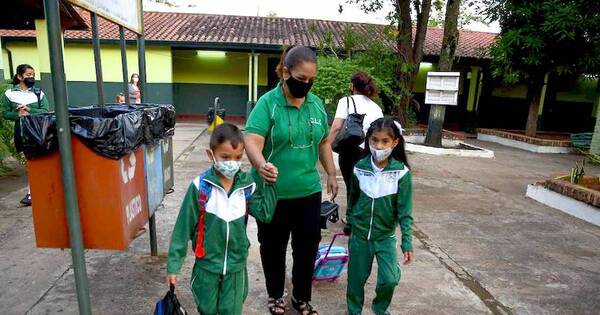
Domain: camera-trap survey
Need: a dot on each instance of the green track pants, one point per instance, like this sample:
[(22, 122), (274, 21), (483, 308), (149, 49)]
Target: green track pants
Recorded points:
[(219, 294), (362, 253)]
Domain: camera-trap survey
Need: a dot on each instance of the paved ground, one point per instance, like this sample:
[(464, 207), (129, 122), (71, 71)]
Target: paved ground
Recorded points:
[(481, 247)]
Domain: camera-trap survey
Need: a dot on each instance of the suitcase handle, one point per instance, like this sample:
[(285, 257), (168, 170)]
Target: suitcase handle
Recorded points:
[(333, 240)]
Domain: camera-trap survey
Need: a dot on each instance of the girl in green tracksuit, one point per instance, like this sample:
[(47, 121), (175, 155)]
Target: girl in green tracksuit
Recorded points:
[(213, 216), (379, 198)]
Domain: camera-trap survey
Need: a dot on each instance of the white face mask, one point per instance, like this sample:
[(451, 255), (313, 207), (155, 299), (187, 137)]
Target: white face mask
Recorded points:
[(381, 155), (227, 168)]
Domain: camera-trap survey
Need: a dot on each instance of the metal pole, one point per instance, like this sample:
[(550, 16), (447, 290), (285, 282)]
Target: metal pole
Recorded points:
[(57, 68), (97, 59), (124, 63), (141, 45)]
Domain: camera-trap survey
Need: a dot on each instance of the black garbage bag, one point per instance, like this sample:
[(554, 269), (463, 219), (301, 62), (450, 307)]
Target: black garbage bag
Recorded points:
[(112, 131), (169, 305), (39, 134), (159, 121)]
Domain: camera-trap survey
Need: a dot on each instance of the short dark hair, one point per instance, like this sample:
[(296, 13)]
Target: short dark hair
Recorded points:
[(21, 69), (226, 132), (293, 56)]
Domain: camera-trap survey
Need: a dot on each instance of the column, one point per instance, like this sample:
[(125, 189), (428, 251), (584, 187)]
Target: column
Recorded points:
[(255, 78), (1, 63), (473, 84)]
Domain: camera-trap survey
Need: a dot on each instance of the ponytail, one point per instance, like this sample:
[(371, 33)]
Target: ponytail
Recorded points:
[(364, 85)]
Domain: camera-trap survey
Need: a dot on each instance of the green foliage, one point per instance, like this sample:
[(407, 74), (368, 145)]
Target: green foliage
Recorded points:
[(470, 11), (7, 147), (333, 81), (578, 172), (545, 36)]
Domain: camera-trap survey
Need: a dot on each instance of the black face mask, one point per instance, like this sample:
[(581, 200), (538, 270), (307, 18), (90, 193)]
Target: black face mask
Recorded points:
[(298, 88), (29, 82)]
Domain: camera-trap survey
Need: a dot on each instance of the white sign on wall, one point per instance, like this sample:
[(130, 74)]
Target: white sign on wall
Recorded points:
[(123, 12), (442, 88)]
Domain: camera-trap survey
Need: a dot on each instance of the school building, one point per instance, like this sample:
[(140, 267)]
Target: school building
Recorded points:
[(193, 58)]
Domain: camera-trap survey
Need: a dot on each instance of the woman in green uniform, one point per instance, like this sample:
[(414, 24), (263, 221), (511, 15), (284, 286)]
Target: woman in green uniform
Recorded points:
[(286, 136), (22, 100)]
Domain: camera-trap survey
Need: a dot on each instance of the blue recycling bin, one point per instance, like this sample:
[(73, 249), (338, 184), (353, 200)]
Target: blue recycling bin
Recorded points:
[(154, 175), (167, 164)]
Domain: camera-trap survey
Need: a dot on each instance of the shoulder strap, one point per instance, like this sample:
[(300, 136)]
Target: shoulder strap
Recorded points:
[(204, 191), (353, 103), (38, 93)]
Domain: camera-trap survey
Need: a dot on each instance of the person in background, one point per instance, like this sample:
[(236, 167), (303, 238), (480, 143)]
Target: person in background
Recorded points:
[(22, 100), (363, 90), (379, 199), (286, 134), (135, 94), (120, 99)]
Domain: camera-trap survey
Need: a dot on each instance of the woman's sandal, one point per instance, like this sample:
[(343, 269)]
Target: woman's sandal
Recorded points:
[(276, 306), (304, 308)]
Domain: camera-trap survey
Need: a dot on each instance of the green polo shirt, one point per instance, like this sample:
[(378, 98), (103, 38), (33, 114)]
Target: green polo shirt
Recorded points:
[(292, 137)]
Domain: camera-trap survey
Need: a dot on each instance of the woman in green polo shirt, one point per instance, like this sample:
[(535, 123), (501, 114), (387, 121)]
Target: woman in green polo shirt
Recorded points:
[(22, 100), (286, 136)]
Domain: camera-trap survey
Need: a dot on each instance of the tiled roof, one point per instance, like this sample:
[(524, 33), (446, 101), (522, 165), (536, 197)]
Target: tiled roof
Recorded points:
[(208, 30)]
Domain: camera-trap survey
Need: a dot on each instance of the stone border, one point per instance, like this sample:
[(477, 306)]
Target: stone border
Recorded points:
[(480, 152), (524, 145), (563, 203), (577, 192), (520, 141)]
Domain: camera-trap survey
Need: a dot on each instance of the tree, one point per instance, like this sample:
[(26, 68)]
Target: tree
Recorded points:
[(544, 37), (437, 112), (409, 51)]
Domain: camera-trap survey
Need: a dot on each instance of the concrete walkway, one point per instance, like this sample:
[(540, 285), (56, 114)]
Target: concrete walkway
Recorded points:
[(481, 247)]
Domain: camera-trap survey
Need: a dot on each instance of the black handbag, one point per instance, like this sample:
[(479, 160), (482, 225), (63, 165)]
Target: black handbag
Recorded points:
[(169, 305), (352, 134)]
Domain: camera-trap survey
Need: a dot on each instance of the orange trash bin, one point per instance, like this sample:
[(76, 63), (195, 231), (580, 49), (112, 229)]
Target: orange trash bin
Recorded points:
[(111, 193)]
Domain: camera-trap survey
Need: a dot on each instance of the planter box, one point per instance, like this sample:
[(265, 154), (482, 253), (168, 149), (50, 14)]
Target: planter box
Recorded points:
[(566, 204), (546, 143)]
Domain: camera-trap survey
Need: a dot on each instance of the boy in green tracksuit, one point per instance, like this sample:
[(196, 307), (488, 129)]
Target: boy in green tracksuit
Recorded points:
[(213, 216), (379, 198)]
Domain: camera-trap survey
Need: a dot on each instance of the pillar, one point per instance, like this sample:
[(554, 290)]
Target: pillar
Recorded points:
[(1, 63), (472, 96), (255, 78), (595, 147), (542, 102)]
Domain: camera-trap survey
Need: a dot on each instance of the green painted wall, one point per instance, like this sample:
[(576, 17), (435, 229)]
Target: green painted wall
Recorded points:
[(195, 98), (422, 76), (83, 93)]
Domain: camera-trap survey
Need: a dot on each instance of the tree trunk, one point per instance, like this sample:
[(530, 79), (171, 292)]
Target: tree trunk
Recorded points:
[(449, 43), (534, 106), (409, 54)]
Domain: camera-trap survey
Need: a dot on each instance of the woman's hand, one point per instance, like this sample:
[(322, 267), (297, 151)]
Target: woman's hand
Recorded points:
[(171, 280), (408, 258), (268, 171), (332, 186), (23, 110)]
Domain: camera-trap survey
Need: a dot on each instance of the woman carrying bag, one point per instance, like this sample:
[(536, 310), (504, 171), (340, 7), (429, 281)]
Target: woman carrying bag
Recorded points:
[(347, 115)]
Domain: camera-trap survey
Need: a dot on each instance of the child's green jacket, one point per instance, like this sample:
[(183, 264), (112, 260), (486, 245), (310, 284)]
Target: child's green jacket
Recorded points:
[(215, 222), (378, 201)]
